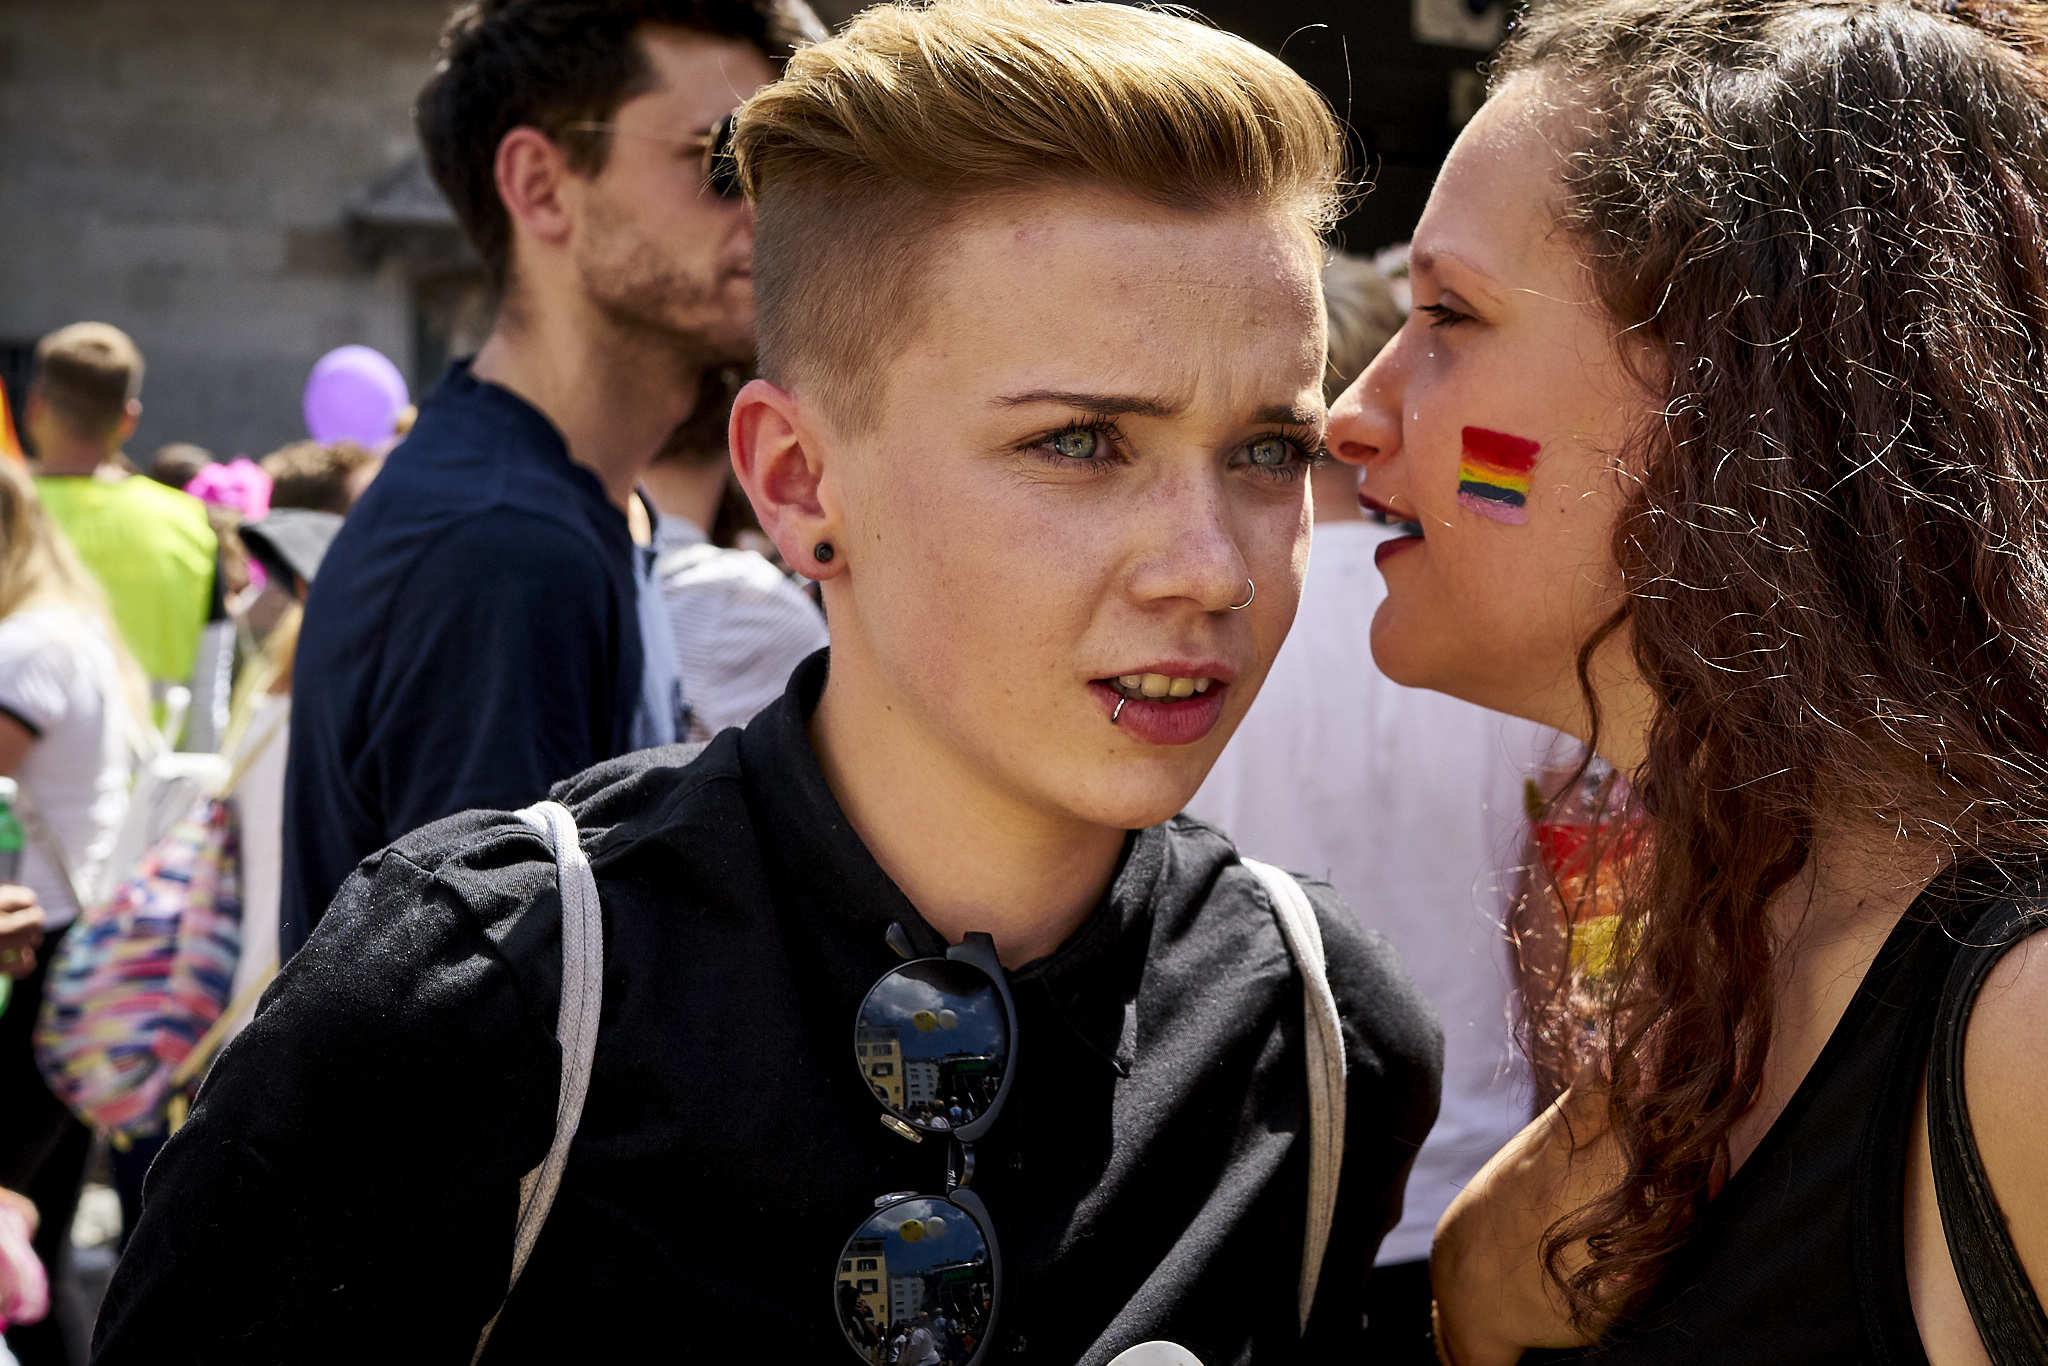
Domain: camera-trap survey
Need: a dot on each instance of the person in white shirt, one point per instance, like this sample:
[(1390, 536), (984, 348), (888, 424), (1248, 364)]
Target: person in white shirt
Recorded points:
[(289, 544), (740, 624), (70, 696), (1408, 802)]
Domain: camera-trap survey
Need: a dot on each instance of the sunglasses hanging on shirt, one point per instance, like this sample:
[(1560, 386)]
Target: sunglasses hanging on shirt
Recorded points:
[(936, 1042)]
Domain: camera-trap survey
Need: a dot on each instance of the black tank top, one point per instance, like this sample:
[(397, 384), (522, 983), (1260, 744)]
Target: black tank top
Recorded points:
[(1801, 1257)]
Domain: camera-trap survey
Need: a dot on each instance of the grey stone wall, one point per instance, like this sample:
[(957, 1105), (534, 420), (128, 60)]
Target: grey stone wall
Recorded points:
[(179, 168)]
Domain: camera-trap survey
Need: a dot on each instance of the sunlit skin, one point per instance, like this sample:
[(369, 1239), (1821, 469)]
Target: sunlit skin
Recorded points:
[(1507, 337), (1096, 437), (660, 250)]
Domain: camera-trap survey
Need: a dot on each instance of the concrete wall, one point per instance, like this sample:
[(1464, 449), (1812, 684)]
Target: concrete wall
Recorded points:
[(178, 168)]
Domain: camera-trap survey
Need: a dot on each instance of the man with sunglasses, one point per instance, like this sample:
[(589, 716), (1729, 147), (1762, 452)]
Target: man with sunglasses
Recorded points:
[(926, 1023), (477, 630)]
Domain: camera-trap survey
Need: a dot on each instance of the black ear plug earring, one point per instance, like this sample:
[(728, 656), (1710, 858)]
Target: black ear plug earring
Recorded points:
[(823, 553)]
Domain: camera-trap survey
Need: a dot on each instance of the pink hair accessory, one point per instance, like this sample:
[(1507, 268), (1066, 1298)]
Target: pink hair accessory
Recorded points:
[(240, 484)]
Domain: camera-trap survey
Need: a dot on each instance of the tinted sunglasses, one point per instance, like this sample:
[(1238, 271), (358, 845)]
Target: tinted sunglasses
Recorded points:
[(721, 172), (936, 1042)]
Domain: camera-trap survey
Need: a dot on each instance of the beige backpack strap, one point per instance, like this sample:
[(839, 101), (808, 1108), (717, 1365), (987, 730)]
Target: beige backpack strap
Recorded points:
[(575, 1028), (1325, 1040)]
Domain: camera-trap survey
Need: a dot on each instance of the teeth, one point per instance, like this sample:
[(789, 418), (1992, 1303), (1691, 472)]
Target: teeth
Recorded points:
[(1161, 687)]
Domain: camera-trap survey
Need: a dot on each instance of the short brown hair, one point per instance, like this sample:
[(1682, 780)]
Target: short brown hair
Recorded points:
[(1364, 316), (875, 142), (315, 474), (89, 373), (179, 463), (550, 64)]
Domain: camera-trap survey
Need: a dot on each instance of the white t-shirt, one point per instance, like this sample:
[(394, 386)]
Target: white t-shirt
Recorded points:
[(1409, 803), (259, 810), (57, 679), (740, 626)]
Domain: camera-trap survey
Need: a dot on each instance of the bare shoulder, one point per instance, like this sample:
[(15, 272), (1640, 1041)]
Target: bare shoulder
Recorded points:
[(2005, 1072)]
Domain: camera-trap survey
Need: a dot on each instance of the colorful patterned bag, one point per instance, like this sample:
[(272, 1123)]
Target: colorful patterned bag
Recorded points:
[(142, 980)]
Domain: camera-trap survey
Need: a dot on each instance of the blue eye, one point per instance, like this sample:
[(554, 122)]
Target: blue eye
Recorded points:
[(1077, 444), (1270, 452)]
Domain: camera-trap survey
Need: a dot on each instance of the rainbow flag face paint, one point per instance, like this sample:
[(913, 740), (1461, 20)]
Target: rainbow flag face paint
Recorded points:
[(1493, 476)]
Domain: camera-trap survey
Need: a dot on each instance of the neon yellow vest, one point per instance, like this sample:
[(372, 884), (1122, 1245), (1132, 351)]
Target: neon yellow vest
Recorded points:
[(151, 548)]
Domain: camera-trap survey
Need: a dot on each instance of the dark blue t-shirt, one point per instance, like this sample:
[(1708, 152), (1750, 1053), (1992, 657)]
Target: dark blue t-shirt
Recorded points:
[(471, 639)]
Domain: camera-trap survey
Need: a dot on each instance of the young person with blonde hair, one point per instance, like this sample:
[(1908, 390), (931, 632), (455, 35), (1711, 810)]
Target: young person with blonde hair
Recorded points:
[(65, 683), (1042, 352)]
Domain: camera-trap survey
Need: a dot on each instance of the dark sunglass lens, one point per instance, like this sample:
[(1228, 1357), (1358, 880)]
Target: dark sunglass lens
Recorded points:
[(917, 1274), (933, 1043), (721, 169)]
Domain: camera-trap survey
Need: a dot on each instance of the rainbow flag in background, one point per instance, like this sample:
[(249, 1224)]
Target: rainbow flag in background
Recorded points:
[(1493, 476), (10, 444)]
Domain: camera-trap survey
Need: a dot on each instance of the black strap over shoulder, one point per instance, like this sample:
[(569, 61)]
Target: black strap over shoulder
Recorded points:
[(2002, 1301)]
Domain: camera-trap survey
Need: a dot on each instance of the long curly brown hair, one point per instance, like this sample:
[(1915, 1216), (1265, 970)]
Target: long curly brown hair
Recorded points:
[(1828, 217)]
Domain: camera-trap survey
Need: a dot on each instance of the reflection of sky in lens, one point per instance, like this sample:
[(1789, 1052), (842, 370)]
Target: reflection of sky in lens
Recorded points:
[(961, 1241), (964, 990)]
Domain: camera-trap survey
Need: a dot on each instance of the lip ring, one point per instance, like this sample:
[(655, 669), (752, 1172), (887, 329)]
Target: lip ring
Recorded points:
[(1160, 721)]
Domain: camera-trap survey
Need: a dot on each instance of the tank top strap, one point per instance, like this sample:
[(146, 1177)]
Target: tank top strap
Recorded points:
[(2002, 1300)]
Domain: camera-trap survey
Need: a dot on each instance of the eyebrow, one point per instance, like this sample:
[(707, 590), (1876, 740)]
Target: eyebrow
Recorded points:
[(1135, 405), (1287, 415), (1102, 405), (1431, 259)]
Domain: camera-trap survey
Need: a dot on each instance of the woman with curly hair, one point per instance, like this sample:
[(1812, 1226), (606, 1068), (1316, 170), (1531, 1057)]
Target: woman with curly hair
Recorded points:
[(1722, 423)]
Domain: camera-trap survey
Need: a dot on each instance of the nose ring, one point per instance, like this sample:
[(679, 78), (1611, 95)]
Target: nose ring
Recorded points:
[(1251, 590)]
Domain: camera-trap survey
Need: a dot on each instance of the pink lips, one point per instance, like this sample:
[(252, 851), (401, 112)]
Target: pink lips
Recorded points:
[(1392, 546), (1163, 723)]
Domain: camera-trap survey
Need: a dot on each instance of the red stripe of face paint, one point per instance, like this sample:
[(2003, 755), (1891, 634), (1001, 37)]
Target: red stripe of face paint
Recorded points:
[(1500, 449)]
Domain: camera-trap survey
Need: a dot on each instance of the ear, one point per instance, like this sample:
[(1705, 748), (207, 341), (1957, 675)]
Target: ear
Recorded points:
[(131, 413), (777, 452), (530, 171)]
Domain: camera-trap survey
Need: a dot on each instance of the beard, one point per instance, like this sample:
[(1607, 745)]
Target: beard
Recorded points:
[(695, 311)]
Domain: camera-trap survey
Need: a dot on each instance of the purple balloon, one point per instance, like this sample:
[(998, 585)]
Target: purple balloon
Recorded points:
[(354, 394)]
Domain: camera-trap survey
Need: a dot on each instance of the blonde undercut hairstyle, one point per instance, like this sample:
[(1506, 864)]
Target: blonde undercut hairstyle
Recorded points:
[(877, 142)]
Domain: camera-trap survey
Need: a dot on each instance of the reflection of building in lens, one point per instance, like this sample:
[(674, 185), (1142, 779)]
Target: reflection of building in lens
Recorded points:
[(881, 1061), (865, 1268), (920, 1082), (906, 1297)]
